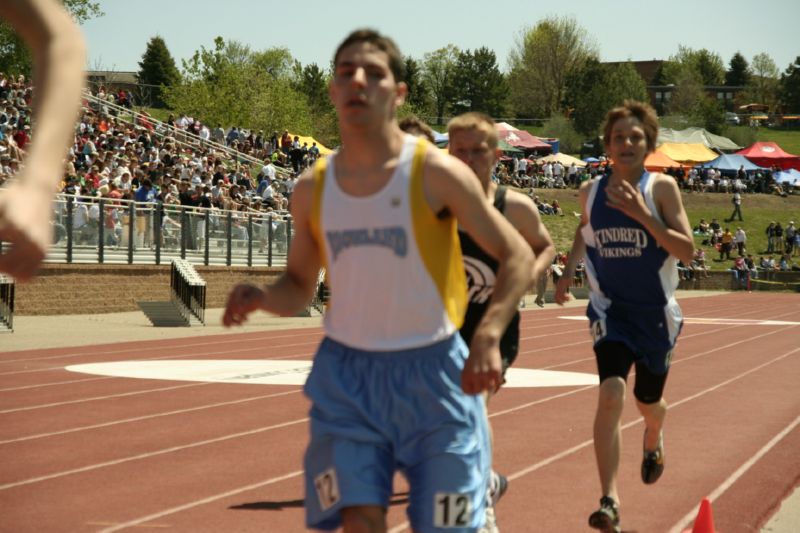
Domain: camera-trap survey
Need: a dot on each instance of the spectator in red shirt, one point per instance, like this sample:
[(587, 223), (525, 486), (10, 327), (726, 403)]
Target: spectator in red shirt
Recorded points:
[(21, 137)]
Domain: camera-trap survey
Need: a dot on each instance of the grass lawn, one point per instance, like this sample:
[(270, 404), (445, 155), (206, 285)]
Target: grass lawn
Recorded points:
[(758, 211)]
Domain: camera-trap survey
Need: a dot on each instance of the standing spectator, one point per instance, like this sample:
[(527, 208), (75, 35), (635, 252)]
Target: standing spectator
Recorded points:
[(778, 237), (737, 207), (770, 232), (726, 245), (789, 234), (313, 152), (740, 238)]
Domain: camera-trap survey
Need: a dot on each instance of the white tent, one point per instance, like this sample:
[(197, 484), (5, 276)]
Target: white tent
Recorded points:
[(565, 159)]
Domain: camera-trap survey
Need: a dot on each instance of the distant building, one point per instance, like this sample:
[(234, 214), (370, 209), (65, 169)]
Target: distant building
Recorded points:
[(112, 80), (661, 94)]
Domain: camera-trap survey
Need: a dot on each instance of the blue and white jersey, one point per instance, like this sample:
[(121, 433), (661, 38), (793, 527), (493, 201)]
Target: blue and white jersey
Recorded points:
[(632, 278)]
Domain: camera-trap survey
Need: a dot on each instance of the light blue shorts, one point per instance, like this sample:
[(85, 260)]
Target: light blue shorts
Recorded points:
[(377, 412)]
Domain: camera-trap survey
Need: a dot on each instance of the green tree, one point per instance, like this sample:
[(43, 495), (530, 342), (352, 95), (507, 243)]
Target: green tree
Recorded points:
[(228, 86), (438, 69), (690, 105), (541, 61), (764, 82), (312, 82), (15, 58), (704, 66), (560, 127), (790, 88), (738, 73), (478, 84), (596, 88), (157, 68), (418, 97)]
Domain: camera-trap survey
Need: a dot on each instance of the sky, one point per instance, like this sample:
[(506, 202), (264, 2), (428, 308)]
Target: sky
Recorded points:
[(311, 29)]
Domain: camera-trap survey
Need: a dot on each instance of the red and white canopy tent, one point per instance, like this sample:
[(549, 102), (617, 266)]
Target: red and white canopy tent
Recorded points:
[(521, 139), (767, 154)]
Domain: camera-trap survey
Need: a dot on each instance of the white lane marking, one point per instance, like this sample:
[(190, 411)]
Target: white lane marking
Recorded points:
[(272, 372), (209, 499), (149, 417), (728, 483), (561, 455), (716, 321), (148, 455)]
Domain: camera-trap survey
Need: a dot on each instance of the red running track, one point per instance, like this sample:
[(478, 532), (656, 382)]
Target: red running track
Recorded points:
[(91, 453)]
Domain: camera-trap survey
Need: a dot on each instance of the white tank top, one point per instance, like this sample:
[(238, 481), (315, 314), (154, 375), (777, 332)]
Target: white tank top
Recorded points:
[(394, 269)]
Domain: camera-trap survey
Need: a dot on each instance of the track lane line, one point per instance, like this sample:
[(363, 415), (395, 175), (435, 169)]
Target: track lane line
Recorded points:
[(737, 474)]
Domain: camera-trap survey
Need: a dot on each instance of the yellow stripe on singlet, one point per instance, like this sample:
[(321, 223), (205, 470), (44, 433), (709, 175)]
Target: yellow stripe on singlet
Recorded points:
[(315, 218), (438, 244)]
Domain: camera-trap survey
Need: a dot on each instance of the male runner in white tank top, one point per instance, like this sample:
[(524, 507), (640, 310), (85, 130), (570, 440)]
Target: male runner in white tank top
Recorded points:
[(398, 393)]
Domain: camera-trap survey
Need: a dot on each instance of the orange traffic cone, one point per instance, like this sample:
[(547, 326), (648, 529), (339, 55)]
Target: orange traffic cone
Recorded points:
[(704, 523)]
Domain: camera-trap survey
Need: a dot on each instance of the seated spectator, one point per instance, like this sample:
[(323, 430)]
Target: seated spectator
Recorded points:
[(698, 263), (702, 227), (556, 208), (751, 266), (785, 264), (740, 270), (685, 273)]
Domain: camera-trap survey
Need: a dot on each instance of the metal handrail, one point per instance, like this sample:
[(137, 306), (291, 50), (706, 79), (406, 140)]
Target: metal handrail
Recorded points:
[(125, 231)]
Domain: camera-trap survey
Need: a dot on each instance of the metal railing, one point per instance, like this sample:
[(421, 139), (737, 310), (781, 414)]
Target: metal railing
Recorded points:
[(102, 230), (6, 303), (188, 290)]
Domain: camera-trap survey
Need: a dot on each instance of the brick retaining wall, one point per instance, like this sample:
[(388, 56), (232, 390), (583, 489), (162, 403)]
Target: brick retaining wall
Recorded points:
[(62, 289)]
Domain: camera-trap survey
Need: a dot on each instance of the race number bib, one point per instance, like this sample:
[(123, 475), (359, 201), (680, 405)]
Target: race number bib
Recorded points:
[(452, 510), (598, 329), (327, 489)]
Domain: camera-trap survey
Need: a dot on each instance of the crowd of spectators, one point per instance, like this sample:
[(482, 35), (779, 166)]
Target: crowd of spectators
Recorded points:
[(156, 164), (524, 173), (783, 244), (15, 123), (705, 178), (187, 163)]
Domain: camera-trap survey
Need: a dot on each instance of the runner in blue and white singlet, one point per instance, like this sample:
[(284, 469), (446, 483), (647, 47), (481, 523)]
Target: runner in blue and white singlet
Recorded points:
[(633, 230), (632, 279)]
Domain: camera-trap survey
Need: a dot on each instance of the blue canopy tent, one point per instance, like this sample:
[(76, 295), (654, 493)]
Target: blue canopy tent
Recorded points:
[(791, 176), (440, 137), (728, 164)]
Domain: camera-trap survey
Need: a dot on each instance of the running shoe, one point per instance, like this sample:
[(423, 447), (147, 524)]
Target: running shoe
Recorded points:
[(606, 519), (498, 485), (490, 524), (653, 463)]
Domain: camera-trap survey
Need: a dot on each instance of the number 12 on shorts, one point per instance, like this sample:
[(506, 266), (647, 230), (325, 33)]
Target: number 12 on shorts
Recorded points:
[(452, 510)]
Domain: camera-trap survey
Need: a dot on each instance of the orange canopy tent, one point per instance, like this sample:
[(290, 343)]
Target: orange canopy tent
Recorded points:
[(659, 162)]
